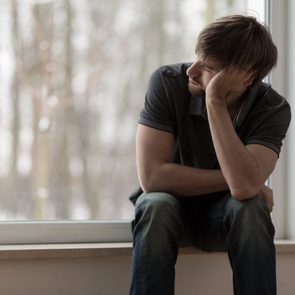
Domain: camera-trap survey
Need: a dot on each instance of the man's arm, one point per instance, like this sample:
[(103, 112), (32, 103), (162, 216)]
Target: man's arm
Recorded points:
[(245, 168), (156, 172)]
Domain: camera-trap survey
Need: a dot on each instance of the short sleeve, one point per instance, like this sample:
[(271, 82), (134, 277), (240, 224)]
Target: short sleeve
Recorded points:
[(272, 129), (157, 111)]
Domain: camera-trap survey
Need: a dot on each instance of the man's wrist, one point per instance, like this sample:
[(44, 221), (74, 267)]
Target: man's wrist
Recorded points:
[(215, 103)]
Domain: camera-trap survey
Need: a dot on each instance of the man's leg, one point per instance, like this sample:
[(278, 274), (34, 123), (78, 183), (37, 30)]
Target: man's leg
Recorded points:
[(250, 247), (157, 229), (245, 230)]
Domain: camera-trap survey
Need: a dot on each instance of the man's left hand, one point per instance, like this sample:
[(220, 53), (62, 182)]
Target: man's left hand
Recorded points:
[(266, 194)]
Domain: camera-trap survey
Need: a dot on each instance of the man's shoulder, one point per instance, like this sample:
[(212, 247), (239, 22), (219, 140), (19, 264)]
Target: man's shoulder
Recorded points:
[(271, 97), (172, 78), (271, 105), (174, 70)]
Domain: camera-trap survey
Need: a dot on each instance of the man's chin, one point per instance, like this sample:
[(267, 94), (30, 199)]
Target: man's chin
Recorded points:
[(196, 91)]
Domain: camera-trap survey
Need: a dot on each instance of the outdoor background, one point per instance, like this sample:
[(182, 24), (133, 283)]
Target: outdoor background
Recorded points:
[(73, 77)]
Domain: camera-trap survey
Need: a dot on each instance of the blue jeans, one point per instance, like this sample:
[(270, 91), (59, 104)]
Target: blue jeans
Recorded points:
[(214, 222)]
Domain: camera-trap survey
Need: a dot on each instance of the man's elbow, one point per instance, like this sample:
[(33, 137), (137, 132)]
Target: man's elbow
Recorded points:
[(148, 183), (146, 187), (242, 194)]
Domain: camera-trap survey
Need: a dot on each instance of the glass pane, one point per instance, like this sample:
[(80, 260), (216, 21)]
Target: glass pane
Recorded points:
[(73, 76)]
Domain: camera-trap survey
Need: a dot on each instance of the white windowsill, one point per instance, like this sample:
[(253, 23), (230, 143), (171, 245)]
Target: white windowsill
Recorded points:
[(65, 232), (84, 250)]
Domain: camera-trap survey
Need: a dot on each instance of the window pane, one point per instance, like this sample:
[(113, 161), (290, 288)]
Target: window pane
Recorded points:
[(73, 76)]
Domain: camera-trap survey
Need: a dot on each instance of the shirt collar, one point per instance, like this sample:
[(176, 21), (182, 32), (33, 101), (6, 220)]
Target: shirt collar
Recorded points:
[(198, 106)]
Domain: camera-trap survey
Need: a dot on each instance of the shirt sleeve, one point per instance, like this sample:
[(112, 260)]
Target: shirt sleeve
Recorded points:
[(272, 130), (157, 111)]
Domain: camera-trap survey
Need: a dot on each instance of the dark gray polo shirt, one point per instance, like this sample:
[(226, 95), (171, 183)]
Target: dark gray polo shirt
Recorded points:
[(263, 118)]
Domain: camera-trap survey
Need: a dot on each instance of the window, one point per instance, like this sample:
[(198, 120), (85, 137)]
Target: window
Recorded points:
[(73, 76)]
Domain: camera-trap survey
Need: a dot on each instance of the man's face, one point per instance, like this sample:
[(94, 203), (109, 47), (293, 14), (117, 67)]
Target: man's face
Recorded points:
[(200, 73)]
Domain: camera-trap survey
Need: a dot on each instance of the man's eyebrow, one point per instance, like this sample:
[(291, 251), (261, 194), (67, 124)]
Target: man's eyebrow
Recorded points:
[(203, 62)]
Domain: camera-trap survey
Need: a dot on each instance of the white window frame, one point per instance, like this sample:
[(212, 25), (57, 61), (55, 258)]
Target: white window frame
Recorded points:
[(282, 27), (100, 231), (52, 232)]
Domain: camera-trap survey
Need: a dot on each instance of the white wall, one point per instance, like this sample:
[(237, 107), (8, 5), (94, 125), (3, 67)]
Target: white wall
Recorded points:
[(203, 274)]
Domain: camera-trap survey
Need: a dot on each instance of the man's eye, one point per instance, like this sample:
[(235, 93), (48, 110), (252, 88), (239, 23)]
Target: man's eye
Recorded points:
[(207, 69)]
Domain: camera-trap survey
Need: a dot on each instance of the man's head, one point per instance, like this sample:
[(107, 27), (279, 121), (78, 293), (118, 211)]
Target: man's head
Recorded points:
[(239, 41)]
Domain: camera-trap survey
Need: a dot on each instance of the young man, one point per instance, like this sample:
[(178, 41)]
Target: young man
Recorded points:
[(209, 136)]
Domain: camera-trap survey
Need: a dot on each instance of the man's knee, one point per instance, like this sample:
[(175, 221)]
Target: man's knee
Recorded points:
[(250, 217), (157, 210), (156, 203), (253, 207)]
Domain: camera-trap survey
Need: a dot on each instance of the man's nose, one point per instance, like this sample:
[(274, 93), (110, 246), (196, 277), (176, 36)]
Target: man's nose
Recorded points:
[(194, 70)]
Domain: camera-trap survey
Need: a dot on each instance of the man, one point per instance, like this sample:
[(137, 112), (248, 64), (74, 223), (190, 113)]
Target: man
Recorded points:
[(209, 136)]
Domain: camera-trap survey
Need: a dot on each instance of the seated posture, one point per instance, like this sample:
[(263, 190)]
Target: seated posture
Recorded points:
[(209, 136)]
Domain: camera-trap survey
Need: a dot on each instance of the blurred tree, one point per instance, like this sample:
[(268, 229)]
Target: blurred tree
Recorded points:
[(78, 83), (60, 179), (13, 180)]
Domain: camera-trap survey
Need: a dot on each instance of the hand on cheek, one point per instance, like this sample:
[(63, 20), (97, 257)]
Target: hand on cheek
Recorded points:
[(227, 85)]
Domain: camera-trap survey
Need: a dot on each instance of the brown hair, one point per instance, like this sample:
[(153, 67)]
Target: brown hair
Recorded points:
[(239, 41)]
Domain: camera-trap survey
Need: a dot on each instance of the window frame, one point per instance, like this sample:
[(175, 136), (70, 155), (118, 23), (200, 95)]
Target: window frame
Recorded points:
[(52, 232), (104, 231), (282, 24), (277, 19)]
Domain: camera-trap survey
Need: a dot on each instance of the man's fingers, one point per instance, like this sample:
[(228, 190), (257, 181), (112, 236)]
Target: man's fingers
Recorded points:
[(245, 76), (267, 195)]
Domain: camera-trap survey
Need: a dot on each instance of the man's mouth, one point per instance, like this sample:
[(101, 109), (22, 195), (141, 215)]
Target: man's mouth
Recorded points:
[(195, 88), (191, 81)]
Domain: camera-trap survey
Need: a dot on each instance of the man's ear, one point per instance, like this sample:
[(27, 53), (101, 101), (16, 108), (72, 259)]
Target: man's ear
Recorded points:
[(249, 81)]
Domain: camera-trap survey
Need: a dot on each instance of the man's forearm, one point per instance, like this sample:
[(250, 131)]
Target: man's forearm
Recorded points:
[(239, 167), (185, 181), (245, 169)]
